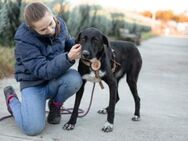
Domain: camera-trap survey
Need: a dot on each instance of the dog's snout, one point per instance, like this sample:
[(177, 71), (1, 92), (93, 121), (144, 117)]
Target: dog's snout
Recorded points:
[(85, 54)]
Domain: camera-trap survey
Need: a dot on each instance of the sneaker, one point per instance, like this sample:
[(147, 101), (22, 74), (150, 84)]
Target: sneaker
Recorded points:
[(54, 116), (9, 93)]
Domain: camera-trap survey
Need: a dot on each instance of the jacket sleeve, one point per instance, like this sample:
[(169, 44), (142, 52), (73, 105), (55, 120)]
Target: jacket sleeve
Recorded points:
[(38, 65)]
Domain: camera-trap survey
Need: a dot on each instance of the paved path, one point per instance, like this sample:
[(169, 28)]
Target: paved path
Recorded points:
[(163, 90)]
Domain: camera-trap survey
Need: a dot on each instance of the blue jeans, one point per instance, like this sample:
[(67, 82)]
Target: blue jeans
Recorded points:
[(30, 113)]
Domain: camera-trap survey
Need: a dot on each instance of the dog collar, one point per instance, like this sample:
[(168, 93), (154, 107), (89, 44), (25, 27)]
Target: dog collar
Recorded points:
[(95, 65)]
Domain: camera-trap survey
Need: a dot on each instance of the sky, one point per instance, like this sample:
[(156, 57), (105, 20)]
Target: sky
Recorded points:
[(177, 6)]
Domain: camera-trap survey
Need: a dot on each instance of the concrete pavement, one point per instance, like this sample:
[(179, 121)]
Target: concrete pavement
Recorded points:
[(162, 86)]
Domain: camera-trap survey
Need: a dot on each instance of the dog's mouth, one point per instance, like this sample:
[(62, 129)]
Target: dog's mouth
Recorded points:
[(94, 63)]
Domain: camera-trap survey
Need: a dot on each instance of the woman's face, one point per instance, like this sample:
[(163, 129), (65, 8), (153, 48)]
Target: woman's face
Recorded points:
[(45, 26)]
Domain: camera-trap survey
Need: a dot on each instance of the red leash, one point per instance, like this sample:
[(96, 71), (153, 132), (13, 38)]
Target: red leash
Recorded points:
[(81, 112)]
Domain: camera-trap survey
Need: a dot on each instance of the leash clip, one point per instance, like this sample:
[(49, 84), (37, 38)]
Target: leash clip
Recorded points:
[(98, 77)]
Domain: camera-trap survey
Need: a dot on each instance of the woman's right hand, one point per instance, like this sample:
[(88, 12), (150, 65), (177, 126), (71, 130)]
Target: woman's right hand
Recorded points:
[(75, 52)]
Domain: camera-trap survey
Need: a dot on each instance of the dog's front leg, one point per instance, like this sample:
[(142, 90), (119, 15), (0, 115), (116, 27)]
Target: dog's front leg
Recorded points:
[(112, 83), (71, 123)]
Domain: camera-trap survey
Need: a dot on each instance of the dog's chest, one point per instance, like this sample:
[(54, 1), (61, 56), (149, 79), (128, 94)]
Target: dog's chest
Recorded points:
[(92, 76)]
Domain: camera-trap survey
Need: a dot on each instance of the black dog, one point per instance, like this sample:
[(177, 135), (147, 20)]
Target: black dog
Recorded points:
[(108, 62)]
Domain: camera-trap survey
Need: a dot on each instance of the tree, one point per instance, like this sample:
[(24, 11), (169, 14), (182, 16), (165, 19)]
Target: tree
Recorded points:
[(165, 15), (147, 14), (182, 18)]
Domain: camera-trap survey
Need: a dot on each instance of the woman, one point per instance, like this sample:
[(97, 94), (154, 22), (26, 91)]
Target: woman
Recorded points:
[(44, 54)]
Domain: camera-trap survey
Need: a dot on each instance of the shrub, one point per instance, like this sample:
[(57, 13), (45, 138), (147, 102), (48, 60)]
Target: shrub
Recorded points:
[(9, 15), (84, 16), (6, 62)]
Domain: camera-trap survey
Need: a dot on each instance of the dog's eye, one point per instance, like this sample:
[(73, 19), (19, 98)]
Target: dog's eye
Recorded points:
[(82, 40), (96, 40)]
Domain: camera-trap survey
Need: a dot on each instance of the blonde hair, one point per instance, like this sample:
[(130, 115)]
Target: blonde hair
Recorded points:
[(33, 12)]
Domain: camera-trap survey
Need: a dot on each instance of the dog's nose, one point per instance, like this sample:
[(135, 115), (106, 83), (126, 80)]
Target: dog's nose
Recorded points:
[(85, 54)]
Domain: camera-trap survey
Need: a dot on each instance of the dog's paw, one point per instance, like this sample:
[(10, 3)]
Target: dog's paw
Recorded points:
[(136, 118), (108, 127), (102, 111), (68, 126)]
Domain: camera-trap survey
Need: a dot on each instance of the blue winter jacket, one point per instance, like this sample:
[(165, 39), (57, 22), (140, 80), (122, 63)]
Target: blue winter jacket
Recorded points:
[(40, 59)]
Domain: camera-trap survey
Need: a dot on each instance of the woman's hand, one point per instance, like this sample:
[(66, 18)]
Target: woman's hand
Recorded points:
[(75, 52)]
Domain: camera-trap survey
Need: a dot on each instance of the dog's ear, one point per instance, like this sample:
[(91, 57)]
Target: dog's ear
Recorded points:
[(105, 41), (78, 38)]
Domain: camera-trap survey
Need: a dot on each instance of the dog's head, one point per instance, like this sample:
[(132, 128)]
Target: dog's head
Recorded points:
[(93, 43)]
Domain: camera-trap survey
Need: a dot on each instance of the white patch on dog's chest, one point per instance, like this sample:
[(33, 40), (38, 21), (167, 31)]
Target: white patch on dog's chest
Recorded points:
[(91, 76)]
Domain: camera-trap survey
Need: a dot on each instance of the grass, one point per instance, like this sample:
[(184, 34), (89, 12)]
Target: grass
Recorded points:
[(148, 35), (7, 62)]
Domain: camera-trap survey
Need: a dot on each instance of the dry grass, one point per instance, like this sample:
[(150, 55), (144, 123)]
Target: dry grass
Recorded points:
[(148, 35), (6, 62)]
